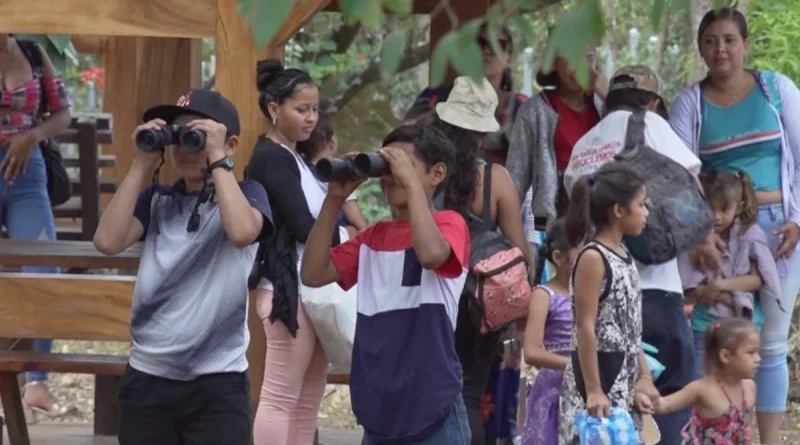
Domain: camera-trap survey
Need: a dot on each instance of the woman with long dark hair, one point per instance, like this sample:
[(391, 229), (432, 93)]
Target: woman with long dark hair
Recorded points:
[(546, 129), (497, 70), (295, 363), (467, 117), (34, 108)]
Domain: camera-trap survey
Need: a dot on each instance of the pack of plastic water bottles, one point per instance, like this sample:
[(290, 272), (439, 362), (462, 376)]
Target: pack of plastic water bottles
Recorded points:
[(617, 429)]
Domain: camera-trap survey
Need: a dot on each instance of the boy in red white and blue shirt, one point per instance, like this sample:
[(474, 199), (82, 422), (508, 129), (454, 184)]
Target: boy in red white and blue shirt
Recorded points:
[(405, 380)]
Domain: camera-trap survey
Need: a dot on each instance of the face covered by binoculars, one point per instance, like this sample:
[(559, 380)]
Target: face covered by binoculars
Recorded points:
[(363, 165), (189, 139)]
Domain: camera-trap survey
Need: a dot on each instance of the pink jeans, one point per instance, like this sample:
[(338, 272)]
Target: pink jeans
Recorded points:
[(294, 380)]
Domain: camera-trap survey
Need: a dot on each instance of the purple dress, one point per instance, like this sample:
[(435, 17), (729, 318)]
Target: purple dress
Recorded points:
[(541, 423)]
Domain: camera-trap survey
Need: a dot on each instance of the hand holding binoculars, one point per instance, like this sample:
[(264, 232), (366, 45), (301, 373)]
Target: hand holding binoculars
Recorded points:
[(363, 165), (189, 139)]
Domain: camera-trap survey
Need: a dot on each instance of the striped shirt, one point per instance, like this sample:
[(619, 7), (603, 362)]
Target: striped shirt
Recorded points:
[(745, 137), (405, 374)]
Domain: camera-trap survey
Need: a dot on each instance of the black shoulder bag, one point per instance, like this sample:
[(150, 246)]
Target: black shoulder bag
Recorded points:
[(59, 187)]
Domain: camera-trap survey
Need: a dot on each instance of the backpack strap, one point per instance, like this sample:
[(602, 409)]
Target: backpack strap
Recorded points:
[(34, 55), (487, 196), (769, 82), (634, 135)]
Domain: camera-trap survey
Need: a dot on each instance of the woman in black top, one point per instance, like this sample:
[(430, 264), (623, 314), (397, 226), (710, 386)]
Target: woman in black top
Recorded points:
[(295, 368)]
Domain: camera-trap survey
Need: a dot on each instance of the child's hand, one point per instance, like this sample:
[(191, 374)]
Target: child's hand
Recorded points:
[(710, 294), (646, 387), (215, 137), (643, 403), (598, 405), (400, 165)]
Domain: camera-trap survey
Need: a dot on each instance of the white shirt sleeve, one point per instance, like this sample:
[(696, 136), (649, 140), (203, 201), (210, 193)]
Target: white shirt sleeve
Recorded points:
[(662, 138), (353, 196), (527, 219)]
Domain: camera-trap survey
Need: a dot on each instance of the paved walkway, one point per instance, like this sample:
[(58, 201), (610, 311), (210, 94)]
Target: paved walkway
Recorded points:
[(81, 434)]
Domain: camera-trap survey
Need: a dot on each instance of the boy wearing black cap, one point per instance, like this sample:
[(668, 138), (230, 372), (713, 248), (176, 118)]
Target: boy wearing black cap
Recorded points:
[(186, 382)]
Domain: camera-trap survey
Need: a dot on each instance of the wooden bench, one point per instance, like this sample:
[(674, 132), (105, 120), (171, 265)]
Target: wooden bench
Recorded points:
[(24, 321), (71, 307), (88, 131)]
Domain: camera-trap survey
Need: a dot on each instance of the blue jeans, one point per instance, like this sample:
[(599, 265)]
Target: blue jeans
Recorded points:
[(454, 430), (773, 374), (664, 326), (25, 212)]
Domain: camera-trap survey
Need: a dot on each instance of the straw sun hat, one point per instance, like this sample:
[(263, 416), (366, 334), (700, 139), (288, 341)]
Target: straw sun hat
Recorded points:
[(470, 106)]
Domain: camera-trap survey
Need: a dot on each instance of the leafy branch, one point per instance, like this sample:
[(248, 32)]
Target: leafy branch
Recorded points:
[(355, 82)]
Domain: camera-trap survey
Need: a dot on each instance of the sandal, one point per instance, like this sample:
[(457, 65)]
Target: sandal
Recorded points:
[(53, 412)]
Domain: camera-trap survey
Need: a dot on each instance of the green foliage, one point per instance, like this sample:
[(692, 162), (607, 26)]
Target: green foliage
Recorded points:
[(579, 23), (372, 202), (774, 28), (58, 46), (340, 58)]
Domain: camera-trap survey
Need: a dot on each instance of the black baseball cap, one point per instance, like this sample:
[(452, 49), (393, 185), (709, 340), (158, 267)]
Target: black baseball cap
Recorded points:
[(201, 102)]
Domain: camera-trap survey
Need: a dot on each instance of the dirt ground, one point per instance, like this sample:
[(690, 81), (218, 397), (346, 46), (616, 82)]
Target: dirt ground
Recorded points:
[(334, 413)]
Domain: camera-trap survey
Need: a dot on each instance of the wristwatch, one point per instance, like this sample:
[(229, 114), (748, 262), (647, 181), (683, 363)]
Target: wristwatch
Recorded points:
[(224, 163)]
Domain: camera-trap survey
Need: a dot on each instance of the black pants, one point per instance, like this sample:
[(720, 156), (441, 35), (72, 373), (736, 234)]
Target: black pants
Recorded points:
[(211, 410), (664, 326), (478, 354)]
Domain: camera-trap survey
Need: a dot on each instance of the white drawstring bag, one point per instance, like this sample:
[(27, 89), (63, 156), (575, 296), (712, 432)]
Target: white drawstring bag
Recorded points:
[(332, 312)]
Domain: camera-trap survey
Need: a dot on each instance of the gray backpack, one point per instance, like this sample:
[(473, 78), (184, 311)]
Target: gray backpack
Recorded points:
[(679, 217)]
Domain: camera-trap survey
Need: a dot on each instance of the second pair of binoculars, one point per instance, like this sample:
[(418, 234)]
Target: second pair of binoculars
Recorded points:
[(362, 165), (189, 139)]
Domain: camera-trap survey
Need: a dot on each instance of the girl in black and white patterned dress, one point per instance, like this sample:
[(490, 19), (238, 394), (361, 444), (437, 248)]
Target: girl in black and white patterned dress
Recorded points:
[(607, 366)]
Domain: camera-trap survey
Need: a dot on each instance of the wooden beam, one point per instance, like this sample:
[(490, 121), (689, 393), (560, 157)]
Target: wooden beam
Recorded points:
[(301, 13), (149, 18), (88, 44), (120, 60), (237, 55), (70, 307)]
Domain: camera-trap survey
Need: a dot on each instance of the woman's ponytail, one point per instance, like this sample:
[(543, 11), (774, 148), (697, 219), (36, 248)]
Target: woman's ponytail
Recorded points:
[(542, 256)]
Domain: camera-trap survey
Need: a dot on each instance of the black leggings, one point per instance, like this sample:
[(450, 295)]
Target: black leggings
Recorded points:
[(478, 354)]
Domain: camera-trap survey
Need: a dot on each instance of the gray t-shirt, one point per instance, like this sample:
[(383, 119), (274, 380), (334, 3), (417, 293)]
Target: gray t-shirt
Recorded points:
[(189, 315)]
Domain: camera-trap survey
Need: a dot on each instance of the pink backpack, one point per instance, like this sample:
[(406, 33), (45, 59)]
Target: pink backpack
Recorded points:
[(498, 281)]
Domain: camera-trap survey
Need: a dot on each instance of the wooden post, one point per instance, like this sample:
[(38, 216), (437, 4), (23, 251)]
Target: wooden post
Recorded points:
[(142, 72), (237, 55)]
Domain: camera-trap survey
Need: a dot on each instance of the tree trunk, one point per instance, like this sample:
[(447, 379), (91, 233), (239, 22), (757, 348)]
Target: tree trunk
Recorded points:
[(698, 10), (663, 35)]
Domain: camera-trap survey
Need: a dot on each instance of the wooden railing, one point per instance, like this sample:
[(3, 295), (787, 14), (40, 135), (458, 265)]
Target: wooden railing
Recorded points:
[(88, 131)]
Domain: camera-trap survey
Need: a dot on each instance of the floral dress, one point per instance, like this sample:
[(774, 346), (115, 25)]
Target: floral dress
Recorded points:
[(733, 427), (619, 339)]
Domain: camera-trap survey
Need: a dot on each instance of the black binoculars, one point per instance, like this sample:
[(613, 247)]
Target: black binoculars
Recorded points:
[(189, 139), (363, 165)]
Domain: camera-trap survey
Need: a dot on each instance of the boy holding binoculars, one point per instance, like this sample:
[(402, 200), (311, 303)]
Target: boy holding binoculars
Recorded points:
[(405, 380), (186, 381)]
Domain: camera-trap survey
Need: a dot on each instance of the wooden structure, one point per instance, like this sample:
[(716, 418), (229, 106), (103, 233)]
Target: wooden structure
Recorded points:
[(71, 307), (152, 54)]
